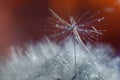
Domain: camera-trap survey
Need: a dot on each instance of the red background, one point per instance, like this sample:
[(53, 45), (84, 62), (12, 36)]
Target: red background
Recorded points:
[(24, 20)]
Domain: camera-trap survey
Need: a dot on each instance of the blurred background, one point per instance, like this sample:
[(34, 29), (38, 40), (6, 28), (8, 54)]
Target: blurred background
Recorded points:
[(22, 21)]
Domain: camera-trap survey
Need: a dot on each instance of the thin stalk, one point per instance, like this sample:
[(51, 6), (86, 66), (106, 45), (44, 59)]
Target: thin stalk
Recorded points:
[(75, 60)]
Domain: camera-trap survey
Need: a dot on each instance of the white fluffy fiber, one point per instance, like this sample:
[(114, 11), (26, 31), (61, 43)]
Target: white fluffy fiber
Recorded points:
[(48, 61)]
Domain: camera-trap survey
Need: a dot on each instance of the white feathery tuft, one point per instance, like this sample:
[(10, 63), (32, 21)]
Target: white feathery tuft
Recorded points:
[(49, 61)]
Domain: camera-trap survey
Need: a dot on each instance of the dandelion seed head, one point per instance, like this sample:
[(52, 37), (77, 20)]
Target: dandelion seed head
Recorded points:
[(85, 28), (61, 65)]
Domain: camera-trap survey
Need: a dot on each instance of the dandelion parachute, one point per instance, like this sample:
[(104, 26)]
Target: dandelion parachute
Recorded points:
[(80, 30)]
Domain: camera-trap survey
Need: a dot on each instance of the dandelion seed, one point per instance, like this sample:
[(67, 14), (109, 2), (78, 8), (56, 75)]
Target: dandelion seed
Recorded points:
[(79, 30)]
